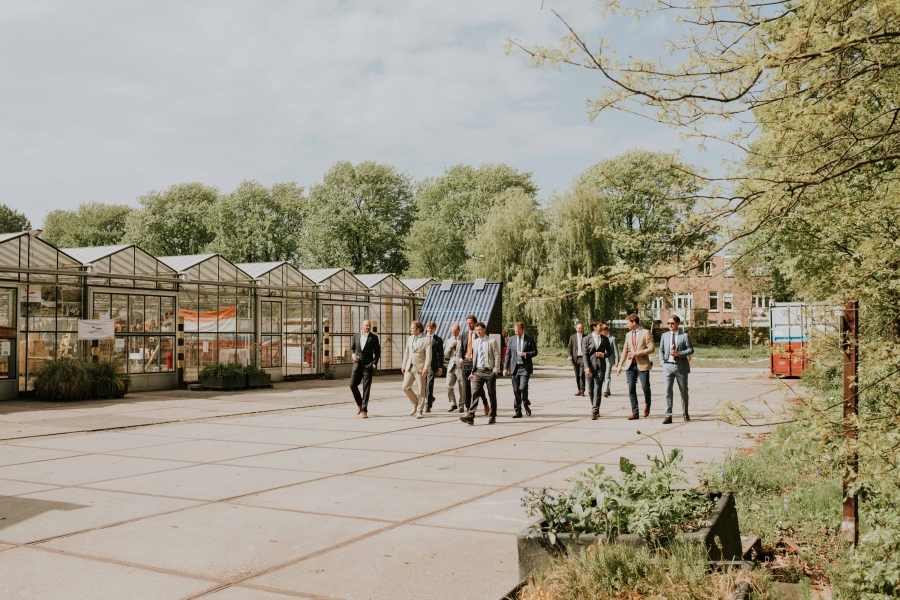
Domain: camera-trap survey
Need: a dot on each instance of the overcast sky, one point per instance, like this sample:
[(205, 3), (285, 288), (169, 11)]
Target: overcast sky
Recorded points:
[(104, 101)]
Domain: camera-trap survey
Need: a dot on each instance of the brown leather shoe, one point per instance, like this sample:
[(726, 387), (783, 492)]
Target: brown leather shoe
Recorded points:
[(606, 394), (633, 417), (646, 411), (467, 420), (358, 409), (365, 415), (487, 410), (593, 417)]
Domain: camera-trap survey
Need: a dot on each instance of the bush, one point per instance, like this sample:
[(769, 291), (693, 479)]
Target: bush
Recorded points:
[(64, 379), (737, 337), (110, 373), (222, 370)]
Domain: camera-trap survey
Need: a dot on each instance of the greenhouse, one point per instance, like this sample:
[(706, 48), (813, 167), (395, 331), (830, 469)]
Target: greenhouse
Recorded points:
[(391, 312)]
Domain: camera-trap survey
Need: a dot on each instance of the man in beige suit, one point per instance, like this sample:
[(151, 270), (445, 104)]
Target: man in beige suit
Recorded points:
[(635, 359), (485, 369), (416, 362)]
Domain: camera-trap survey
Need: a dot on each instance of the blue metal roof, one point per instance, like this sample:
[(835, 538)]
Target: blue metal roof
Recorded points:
[(460, 301)]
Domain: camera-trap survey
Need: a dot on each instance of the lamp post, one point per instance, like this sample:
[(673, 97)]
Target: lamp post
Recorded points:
[(477, 258)]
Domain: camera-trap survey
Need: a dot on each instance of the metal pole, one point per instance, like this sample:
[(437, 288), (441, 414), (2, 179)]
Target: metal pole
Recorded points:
[(849, 342)]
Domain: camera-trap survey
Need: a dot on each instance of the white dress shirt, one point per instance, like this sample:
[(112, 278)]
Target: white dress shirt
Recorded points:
[(580, 344), (362, 341)]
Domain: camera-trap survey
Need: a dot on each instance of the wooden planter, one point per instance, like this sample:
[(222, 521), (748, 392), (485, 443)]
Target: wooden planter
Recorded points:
[(105, 389), (232, 382), (722, 539), (258, 381)]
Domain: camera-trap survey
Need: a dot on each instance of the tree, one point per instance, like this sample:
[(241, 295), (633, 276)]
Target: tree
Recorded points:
[(455, 205), (257, 224), (174, 222), (358, 217), (12, 221), (91, 224)]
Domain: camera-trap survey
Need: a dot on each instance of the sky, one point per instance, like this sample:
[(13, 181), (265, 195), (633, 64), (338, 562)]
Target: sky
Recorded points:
[(105, 101)]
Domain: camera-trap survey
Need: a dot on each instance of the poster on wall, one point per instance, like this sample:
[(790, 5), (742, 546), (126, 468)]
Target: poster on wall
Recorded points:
[(96, 329)]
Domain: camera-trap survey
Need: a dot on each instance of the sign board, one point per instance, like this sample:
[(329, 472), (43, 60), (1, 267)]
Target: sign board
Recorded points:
[(120, 344), (4, 348), (96, 329)]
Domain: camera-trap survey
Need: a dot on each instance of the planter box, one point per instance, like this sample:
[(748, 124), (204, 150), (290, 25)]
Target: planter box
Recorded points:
[(107, 390), (264, 380), (233, 382), (722, 539)]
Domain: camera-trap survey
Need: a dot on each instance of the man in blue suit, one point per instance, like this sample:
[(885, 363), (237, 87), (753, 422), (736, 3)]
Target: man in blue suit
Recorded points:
[(674, 349), (520, 349)]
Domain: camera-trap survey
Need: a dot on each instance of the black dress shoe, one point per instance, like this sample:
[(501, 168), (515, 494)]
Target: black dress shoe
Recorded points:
[(467, 420), (462, 409), (492, 420), (528, 410), (687, 417), (518, 415), (667, 420), (427, 409), (454, 407)]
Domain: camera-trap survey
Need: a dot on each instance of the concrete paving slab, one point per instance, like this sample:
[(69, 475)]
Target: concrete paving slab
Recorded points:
[(14, 455), (463, 469), (196, 431), (208, 482), (481, 429), (407, 562), (11, 431), (42, 515), (373, 424), (31, 574), (16, 488), (515, 448), (426, 444), (223, 541), (277, 419), (322, 460), (367, 497), (203, 451), (246, 593), (86, 468), (295, 437), (501, 512), (91, 443)]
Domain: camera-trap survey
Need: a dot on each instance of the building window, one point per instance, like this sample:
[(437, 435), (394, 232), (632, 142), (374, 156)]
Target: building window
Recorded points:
[(656, 307), (760, 302), (714, 302), (682, 306), (706, 270), (713, 323), (729, 269), (727, 322), (136, 315), (728, 301)]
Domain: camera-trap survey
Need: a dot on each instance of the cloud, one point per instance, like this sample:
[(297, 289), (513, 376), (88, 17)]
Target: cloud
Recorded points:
[(105, 101)]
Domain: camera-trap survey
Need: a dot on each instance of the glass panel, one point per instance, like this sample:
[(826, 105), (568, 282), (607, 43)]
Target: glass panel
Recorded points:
[(191, 356), (114, 349), (151, 352), (135, 313), (41, 348), (8, 341), (119, 311), (243, 345), (266, 352), (244, 311), (276, 317), (69, 308), (167, 353), (207, 351), (227, 310), (266, 317), (136, 354), (151, 313), (167, 311), (101, 306), (208, 322), (275, 350)]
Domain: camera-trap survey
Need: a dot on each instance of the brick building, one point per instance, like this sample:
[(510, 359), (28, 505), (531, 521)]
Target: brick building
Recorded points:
[(712, 296)]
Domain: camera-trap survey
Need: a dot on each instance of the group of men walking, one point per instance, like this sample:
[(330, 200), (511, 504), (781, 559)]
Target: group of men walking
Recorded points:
[(593, 357), (475, 361)]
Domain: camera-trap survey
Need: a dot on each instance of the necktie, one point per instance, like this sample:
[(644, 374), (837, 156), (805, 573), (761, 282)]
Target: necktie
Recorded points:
[(469, 348), (519, 358)]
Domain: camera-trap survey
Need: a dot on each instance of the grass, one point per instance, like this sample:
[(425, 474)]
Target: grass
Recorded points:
[(704, 356)]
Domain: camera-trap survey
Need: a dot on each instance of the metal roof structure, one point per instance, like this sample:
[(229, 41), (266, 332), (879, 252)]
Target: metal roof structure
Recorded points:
[(385, 283), (206, 267), (88, 255), (25, 250), (418, 286), (123, 259), (336, 280), (462, 299), (279, 274)]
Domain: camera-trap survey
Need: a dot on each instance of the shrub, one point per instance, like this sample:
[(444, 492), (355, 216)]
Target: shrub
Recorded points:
[(222, 370), (736, 337), (64, 379), (110, 373)]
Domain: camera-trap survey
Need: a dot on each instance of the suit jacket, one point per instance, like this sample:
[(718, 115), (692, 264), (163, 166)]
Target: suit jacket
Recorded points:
[(615, 354), (493, 353), (417, 353), (437, 353), (368, 356), (596, 365), (573, 346), (641, 355), (452, 355), (464, 346), (684, 347), (529, 347)]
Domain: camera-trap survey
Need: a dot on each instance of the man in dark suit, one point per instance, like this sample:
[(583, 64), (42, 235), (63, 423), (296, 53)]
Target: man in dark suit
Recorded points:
[(596, 351), (436, 369), (366, 351), (466, 343), (576, 357), (520, 349)]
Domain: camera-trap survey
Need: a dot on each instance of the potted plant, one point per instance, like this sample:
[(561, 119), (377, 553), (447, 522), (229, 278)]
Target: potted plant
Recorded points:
[(63, 379), (256, 377), (109, 377), (223, 376), (638, 509)]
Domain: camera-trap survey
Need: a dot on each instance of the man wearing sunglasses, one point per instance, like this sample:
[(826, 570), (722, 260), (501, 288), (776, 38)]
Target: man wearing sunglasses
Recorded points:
[(674, 349)]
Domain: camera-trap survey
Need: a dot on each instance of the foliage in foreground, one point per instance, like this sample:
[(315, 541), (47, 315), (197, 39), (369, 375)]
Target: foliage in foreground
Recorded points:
[(110, 373), (645, 504), (63, 379), (620, 571)]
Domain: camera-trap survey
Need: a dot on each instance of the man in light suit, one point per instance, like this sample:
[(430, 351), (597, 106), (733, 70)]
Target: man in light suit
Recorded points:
[(436, 367), (596, 352), (610, 361), (675, 348), (520, 349), (454, 370), (416, 362), (576, 353), (636, 361), (466, 342), (366, 351), (485, 369)]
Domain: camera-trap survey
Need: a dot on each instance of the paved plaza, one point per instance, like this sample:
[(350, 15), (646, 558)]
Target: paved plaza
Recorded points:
[(286, 493)]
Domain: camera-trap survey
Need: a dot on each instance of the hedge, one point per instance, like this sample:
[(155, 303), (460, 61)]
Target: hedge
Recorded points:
[(737, 337)]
